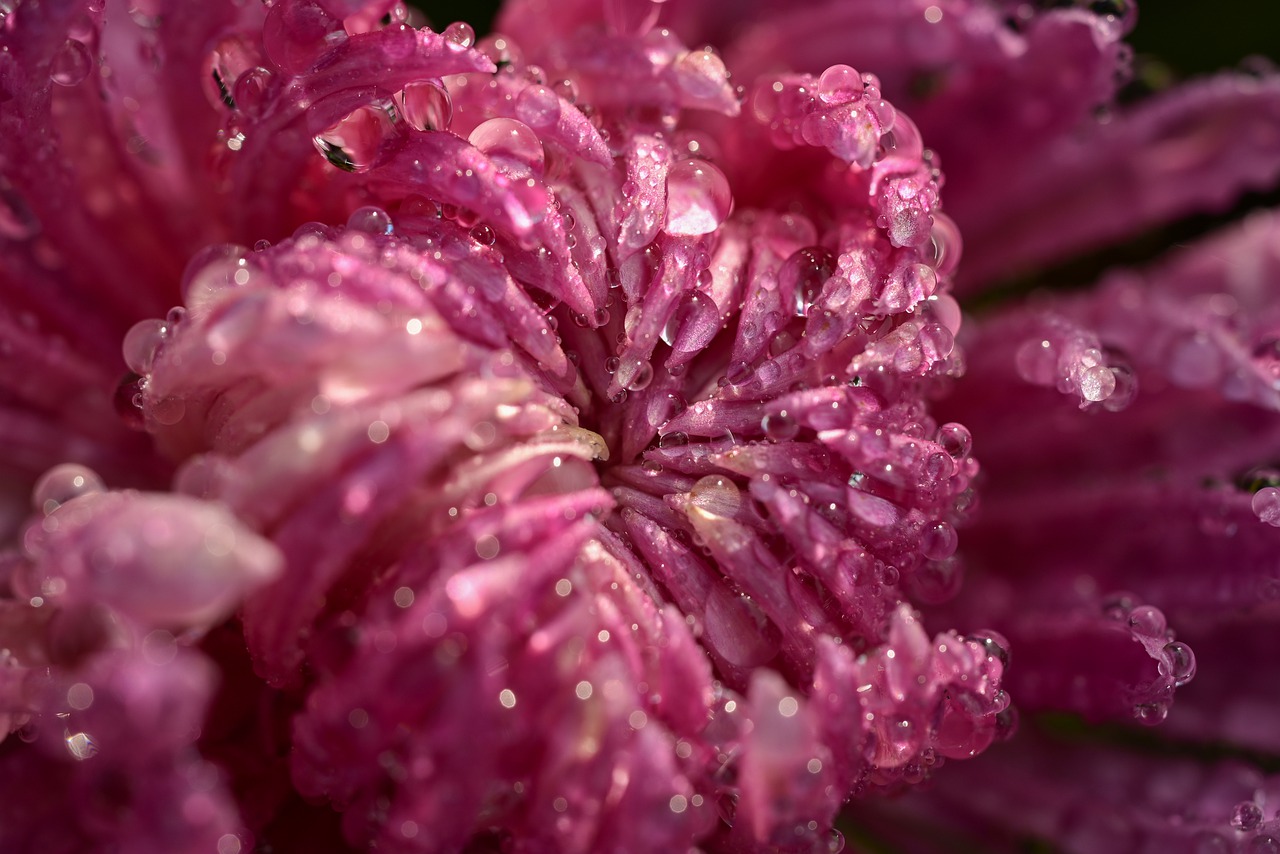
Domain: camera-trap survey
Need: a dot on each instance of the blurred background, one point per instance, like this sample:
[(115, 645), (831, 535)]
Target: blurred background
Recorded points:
[(1188, 37)]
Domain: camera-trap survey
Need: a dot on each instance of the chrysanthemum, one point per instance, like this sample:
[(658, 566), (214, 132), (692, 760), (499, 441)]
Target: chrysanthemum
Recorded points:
[(531, 445)]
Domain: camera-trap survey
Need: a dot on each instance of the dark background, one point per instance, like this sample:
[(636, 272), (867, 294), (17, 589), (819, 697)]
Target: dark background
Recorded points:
[(1189, 36)]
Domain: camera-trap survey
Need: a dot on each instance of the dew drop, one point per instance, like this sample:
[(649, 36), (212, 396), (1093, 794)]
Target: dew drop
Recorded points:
[(1180, 662), (955, 439), (780, 426), (939, 541), (353, 144), (142, 342), (296, 34), (538, 107), (1266, 505), (1097, 383), (635, 374), (803, 275), (486, 236), (426, 105), (698, 198), (71, 64), (460, 34), (1246, 816), (1148, 620), (63, 483), (212, 271), (840, 84), (513, 147), (673, 440), (370, 220), (250, 90)]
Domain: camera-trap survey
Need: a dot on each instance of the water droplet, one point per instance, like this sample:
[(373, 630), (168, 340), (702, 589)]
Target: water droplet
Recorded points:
[(538, 107), (1180, 662), (142, 342), (939, 541), (513, 147), (297, 34), (1148, 620), (1266, 504), (698, 198), (1151, 713), (230, 58), (460, 33), (63, 483), (1097, 383), (250, 91), (370, 220), (1037, 362), (634, 375), (210, 272), (840, 84), (701, 73), (955, 439), (780, 426), (71, 65), (486, 236), (1246, 816), (426, 105), (803, 275), (677, 439), (738, 373), (354, 143)]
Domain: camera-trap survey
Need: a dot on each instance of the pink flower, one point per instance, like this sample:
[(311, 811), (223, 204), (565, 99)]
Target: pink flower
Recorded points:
[(560, 470)]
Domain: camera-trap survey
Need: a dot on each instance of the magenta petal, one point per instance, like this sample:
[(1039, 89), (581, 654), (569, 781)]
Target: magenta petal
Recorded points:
[(1194, 149)]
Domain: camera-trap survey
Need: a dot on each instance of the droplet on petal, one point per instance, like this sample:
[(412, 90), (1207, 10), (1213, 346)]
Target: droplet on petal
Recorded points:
[(1266, 505), (803, 275), (62, 484), (840, 84), (460, 33), (426, 106), (538, 107), (512, 146), (71, 65), (698, 198)]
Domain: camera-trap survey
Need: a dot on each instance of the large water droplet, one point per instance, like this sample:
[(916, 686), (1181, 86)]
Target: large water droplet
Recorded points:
[(1246, 816), (63, 483), (71, 64), (780, 426), (426, 105), (353, 144), (634, 374), (513, 147), (211, 271), (698, 198), (538, 107), (939, 541), (370, 220), (142, 342), (296, 34), (839, 84), (1266, 504), (803, 275), (1179, 662), (460, 34), (955, 439), (230, 58)]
